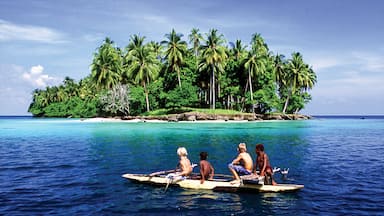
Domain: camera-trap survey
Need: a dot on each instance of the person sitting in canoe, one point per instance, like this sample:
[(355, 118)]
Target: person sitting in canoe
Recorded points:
[(242, 164), (263, 165), (184, 165), (206, 169)]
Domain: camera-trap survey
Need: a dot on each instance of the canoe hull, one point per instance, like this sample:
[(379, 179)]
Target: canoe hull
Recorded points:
[(216, 184)]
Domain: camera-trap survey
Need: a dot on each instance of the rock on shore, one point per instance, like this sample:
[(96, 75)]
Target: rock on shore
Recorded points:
[(196, 116)]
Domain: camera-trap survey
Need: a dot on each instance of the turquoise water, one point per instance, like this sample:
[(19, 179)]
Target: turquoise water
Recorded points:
[(72, 167)]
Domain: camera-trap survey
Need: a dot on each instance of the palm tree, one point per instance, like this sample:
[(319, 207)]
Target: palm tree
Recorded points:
[(195, 38), (87, 89), (237, 49), (157, 48), (308, 80), (256, 60), (175, 51), (136, 42), (300, 76), (70, 87), (144, 67), (213, 59), (279, 69), (44, 98), (106, 66), (61, 94)]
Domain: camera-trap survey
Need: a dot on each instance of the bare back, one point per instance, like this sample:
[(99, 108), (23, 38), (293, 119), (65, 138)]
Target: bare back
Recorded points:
[(245, 159), (206, 169), (262, 162), (185, 166)]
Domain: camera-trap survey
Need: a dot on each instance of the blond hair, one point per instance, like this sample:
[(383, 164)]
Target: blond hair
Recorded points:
[(243, 146), (181, 151)]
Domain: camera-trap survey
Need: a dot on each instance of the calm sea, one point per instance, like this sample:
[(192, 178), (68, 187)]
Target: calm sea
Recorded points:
[(73, 167)]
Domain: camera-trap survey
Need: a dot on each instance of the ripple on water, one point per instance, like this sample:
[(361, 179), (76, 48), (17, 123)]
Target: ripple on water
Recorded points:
[(56, 167)]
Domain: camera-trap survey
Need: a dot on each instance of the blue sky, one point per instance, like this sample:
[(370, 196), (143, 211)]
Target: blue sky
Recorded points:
[(41, 42)]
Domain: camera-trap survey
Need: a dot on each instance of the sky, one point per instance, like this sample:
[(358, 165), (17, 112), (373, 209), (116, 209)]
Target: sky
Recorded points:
[(44, 41)]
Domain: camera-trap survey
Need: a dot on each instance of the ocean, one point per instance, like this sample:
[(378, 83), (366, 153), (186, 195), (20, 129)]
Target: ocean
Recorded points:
[(74, 167)]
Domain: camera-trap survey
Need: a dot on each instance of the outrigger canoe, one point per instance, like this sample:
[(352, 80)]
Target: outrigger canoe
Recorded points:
[(219, 184)]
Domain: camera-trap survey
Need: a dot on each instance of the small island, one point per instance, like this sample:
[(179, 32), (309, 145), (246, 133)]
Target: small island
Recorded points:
[(202, 71)]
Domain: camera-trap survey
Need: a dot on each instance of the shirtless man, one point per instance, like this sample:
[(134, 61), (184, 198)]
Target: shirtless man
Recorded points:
[(206, 169), (184, 163), (262, 163), (242, 164)]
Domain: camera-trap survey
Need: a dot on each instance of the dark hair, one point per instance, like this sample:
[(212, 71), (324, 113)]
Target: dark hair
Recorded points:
[(260, 147), (203, 155)]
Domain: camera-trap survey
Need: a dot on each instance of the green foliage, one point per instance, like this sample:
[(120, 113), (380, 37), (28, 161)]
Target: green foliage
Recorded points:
[(74, 107), (175, 52), (36, 109), (137, 100), (106, 66), (155, 89), (213, 59), (171, 75), (266, 101), (297, 102), (179, 97)]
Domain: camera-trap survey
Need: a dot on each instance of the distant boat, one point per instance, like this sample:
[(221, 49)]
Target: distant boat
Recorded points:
[(219, 184)]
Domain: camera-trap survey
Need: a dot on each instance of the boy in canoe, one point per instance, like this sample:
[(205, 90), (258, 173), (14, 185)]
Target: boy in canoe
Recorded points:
[(242, 164), (184, 163), (206, 169), (263, 164)]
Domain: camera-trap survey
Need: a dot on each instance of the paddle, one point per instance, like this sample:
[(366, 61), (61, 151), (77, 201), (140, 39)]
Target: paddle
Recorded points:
[(222, 175), (163, 172), (168, 171)]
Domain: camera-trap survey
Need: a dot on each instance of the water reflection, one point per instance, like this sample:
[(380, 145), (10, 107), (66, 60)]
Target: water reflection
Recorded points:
[(279, 200), (210, 200)]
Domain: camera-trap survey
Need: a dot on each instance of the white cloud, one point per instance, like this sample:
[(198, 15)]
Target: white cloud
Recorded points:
[(369, 61), (358, 60), (323, 63), (17, 86), (349, 82), (37, 69), (10, 31), (15, 96), (352, 92), (37, 78)]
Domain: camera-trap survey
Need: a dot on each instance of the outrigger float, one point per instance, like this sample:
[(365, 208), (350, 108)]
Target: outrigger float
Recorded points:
[(220, 183)]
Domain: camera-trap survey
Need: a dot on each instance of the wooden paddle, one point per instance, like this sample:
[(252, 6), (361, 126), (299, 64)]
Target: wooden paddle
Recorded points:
[(222, 175), (163, 172), (168, 171)]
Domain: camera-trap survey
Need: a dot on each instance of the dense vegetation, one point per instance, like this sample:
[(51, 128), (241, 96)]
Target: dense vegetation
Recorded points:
[(204, 73)]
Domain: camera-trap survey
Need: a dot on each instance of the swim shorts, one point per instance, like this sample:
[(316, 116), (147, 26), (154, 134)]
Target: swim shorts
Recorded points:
[(239, 169)]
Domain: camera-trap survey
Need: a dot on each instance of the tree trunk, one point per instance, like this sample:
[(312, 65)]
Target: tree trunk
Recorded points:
[(210, 92), (228, 102), (286, 104), (242, 101), (250, 85), (206, 99), (178, 77), (213, 88), (146, 97)]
